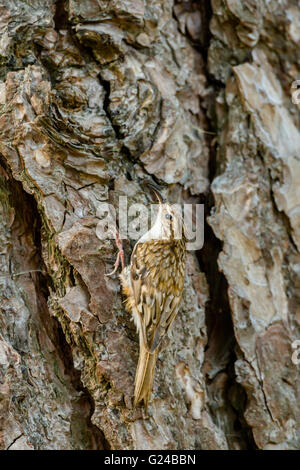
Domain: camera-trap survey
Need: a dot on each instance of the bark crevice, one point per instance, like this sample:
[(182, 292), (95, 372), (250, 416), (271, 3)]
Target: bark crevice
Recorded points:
[(27, 221)]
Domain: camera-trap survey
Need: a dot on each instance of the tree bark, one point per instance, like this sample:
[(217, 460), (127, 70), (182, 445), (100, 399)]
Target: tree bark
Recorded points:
[(96, 97)]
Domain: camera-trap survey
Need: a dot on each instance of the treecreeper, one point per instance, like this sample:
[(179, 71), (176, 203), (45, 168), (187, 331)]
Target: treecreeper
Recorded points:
[(153, 285)]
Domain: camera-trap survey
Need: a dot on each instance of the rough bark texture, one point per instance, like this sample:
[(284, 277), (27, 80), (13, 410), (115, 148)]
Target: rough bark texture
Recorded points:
[(97, 96)]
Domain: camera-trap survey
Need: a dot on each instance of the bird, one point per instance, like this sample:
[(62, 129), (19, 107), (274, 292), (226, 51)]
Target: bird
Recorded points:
[(152, 285)]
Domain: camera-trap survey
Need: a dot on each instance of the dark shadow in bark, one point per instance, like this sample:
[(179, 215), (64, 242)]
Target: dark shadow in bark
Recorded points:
[(28, 217)]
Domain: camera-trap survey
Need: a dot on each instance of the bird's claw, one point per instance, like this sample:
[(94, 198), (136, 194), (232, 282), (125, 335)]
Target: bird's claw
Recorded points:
[(120, 256)]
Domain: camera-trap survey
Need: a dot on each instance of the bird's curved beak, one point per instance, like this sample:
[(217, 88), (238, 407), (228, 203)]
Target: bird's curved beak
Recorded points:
[(156, 192)]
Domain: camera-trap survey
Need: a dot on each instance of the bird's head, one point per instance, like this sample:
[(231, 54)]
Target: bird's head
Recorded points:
[(169, 223)]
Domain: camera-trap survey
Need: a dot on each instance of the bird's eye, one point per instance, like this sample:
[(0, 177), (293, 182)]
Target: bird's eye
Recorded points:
[(169, 216)]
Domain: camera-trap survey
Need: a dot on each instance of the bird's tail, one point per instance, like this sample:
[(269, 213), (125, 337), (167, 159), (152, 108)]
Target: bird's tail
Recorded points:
[(144, 375)]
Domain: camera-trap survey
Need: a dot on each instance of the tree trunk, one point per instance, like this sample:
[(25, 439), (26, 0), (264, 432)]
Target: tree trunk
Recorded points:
[(97, 97)]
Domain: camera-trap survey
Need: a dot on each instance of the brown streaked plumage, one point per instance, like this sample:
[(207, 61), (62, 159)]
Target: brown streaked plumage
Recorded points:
[(153, 285)]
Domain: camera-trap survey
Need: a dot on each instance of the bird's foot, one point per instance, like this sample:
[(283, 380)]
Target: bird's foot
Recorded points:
[(120, 256)]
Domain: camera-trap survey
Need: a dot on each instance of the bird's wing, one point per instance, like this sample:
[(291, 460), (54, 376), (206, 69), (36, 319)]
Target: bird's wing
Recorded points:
[(157, 283)]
